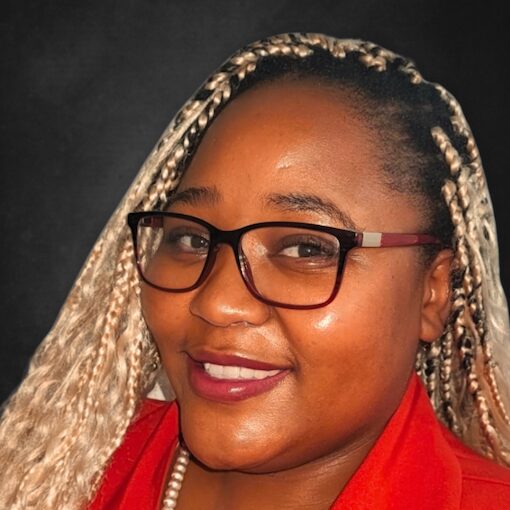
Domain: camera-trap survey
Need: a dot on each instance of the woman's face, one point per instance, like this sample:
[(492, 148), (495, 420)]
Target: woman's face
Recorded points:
[(346, 365)]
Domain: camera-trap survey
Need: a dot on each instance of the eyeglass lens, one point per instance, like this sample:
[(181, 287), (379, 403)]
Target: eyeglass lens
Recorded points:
[(288, 265)]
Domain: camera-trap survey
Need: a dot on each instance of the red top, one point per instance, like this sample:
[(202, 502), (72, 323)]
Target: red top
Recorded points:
[(416, 464)]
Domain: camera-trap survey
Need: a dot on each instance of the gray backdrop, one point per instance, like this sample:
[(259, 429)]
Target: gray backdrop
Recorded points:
[(87, 88)]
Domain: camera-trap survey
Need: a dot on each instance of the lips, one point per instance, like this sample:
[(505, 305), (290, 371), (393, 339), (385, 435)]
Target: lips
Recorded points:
[(218, 358), (231, 378)]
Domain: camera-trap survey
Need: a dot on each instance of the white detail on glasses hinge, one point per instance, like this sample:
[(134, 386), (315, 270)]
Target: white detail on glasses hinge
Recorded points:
[(371, 239)]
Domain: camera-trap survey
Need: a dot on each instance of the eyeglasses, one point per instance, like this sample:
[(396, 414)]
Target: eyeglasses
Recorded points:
[(286, 264)]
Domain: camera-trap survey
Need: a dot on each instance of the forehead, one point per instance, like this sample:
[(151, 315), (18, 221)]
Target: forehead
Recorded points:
[(290, 137), (285, 122)]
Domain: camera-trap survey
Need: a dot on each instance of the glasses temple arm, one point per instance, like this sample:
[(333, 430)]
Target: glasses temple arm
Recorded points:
[(380, 239)]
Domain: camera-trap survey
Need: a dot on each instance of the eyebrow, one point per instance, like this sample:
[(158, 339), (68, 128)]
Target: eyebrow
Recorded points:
[(286, 202)]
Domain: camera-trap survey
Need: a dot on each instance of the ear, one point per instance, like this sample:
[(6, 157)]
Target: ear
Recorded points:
[(436, 302)]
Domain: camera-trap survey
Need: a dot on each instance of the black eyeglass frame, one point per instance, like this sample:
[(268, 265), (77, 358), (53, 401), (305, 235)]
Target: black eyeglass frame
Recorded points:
[(347, 240)]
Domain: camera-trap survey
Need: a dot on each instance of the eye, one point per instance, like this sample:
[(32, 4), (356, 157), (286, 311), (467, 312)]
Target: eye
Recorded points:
[(183, 241), (307, 247)]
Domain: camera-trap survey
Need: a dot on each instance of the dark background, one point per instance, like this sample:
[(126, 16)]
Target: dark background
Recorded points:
[(88, 87)]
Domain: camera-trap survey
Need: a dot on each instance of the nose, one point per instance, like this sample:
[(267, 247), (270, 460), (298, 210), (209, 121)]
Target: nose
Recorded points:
[(223, 299)]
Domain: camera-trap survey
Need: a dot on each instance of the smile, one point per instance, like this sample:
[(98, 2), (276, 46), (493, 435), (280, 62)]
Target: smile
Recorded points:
[(227, 372), (225, 378)]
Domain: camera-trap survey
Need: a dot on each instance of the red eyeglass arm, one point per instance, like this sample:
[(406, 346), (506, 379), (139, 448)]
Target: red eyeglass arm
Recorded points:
[(378, 239)]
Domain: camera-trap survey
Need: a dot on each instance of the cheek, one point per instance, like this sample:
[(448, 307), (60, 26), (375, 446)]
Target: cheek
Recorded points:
[(166, 315), (365, 341), (163, 313)]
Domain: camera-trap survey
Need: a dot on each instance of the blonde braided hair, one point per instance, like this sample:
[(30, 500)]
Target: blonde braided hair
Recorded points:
[(57, 431)]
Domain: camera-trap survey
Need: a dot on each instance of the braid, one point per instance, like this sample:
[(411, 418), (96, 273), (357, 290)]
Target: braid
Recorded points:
[(479, 316), (431, 369), (467, 321), (94, 368), (447, 406)]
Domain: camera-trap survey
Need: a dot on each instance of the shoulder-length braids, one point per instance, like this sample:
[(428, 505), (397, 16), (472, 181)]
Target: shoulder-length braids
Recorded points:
[(88, 376)]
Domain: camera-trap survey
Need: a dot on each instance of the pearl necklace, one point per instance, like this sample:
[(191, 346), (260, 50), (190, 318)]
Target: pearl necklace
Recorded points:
[(175, 483)]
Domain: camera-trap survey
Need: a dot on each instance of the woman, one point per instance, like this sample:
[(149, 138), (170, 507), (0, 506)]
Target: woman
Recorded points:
[(362, 275)]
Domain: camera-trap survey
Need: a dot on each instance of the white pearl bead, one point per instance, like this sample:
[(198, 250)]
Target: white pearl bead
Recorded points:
[(175, 485), (172, 493), (176, 478)]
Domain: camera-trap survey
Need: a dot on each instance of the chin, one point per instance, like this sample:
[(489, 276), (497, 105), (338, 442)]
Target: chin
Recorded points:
[(225, 450), (241, 437), (229, 458)]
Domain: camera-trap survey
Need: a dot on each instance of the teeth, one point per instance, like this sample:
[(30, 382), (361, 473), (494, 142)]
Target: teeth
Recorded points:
[(236, 373)]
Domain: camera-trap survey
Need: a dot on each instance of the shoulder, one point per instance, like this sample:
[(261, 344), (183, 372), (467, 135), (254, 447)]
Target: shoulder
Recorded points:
[(151, 416), (155, 423), (485, 484), (136, 465), (153, 428), (151, 407)]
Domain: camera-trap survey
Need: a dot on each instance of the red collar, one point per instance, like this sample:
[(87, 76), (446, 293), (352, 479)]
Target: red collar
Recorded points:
[(411, 466)]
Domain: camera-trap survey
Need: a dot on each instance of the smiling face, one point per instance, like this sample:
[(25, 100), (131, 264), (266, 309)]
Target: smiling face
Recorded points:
[(346, 365)]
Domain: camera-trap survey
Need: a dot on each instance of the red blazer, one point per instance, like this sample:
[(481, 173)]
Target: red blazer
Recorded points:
[(416, 464)]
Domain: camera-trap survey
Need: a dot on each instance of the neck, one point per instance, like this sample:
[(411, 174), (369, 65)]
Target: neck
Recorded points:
[(314, 485)]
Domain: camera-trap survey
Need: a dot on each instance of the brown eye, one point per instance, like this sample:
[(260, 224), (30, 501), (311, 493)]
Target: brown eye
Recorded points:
[(306, 247), (188, 242)]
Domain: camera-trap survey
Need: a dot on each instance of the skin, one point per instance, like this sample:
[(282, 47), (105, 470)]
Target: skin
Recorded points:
[(297, 445)]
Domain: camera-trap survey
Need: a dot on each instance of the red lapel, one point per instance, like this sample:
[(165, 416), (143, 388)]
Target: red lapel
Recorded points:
[(135, 478), (411, 466)]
